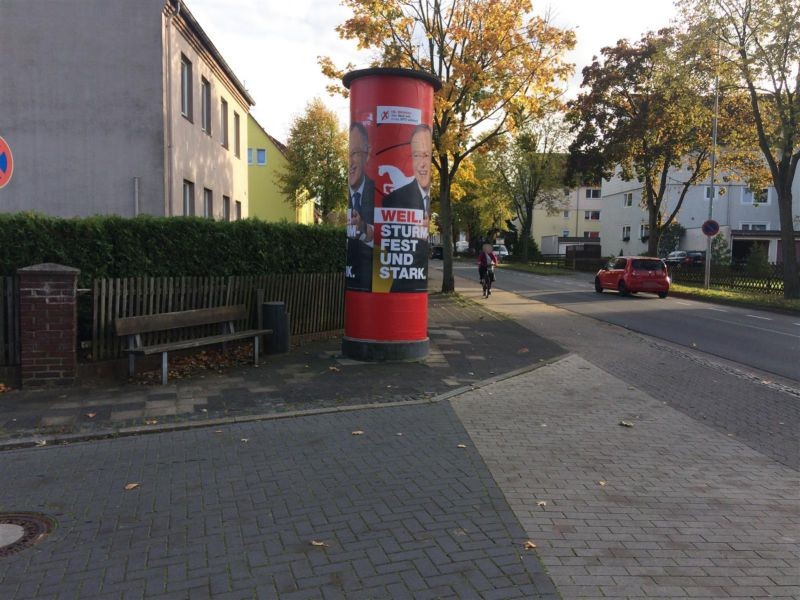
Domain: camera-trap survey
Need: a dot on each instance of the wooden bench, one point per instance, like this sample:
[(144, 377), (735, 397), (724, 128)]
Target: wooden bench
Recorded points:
[(224, 316)]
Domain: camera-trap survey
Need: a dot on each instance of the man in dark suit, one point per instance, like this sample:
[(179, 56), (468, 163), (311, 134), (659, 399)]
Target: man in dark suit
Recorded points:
[(360, 213), (416, 195)]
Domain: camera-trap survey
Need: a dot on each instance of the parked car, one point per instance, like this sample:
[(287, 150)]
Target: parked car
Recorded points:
[(678, 257), (501, 251), (462, 246), (437, 252), (631, 274), (696, 257)]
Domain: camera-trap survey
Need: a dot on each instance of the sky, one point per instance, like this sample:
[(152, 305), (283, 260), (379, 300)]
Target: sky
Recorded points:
[(273, 45)]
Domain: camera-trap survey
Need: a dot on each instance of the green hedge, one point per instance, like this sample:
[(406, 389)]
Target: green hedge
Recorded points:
[(105, 246)]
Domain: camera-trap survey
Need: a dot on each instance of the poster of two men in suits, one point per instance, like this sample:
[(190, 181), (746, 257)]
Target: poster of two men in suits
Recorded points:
[(387, 224)]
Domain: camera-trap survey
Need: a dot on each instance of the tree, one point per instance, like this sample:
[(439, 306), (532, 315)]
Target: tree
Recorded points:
[(646, 115), (316, 154), (671, 238), (529, 173), (720, 251), (494, 58), (761, 39), (476, 208)]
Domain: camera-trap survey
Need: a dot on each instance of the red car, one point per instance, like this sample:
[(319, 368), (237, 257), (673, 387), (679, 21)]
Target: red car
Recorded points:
[(631, 274)]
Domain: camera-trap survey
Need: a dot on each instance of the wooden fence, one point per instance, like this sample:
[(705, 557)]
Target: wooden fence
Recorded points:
[(314, 301), (9, 321)]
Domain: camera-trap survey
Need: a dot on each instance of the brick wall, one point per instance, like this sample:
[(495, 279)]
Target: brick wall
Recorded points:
[(48, 324)]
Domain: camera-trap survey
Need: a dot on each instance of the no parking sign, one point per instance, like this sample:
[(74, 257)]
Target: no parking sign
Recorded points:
[(6, 163)]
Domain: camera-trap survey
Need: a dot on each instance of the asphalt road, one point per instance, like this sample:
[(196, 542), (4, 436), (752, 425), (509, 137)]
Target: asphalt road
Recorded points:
[(762, 340)]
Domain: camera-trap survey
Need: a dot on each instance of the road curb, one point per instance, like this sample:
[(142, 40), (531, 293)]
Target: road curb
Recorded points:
[(73, 438)]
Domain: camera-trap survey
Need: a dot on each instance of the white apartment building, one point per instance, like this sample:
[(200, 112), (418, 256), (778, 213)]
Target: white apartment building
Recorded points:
[(745, 217), (119, 107)]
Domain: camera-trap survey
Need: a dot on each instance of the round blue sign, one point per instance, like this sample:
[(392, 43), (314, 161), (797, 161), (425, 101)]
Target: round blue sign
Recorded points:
[(710, 228)]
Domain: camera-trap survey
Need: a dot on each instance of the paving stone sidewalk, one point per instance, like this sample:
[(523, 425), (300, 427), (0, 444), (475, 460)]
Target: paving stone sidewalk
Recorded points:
[(668, 508), (468, 344), (230, 513)]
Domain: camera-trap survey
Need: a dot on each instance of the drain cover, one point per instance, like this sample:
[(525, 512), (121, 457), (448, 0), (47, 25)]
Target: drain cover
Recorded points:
[(22, 530)]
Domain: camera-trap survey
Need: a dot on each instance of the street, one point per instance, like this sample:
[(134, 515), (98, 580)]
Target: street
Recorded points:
[(763, 340)]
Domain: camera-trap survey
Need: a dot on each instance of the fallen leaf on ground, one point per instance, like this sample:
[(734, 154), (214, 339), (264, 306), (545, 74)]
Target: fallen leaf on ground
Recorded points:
[(334, 369), (245, 440), (218, 431), (41, 442), (530, 545), (461, 446), (357, 432), (523, 350), (541, 503), (4, 388), (402, 434), (131, 486), (151, 421), (601, 483), (626, 423), (91, 415), (319, 544)]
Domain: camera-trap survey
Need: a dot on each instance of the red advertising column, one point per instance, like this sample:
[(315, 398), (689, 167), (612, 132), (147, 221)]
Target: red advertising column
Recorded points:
[(388, 210)]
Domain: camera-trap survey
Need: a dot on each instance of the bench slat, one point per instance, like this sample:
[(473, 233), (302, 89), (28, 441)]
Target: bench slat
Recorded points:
[(205, 341), (175, 320)]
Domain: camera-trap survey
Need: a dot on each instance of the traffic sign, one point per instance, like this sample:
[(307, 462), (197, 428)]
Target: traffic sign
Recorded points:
[(710, 228), (6, 163)]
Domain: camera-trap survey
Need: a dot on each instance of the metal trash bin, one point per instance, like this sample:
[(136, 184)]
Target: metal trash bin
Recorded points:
[(275, 317)]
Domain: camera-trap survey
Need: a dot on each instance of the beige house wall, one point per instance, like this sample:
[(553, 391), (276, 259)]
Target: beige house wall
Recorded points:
[(191, 154), (569, 218)]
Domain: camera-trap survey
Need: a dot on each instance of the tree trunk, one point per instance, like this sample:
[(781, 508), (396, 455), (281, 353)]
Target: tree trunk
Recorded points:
[(446, 225), (791, 278), (525, 233), (654, 233)]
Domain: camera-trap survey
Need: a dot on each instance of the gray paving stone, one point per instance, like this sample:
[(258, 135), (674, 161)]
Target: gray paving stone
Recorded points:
[(684, 495)]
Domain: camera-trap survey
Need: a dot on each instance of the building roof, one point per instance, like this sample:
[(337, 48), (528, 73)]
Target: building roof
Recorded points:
[(278, 144), (186, 15)]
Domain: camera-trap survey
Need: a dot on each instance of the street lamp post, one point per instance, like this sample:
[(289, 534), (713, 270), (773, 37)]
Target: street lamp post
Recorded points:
[(707, 276)]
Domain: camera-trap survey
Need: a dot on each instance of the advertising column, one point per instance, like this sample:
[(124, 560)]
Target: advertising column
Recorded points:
[(388, 212)]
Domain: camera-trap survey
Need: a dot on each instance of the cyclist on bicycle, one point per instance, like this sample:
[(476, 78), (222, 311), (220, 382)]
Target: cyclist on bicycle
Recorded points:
[(486, 262)]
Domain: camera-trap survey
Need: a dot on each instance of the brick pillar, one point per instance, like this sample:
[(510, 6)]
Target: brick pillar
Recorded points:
[(48, 324)]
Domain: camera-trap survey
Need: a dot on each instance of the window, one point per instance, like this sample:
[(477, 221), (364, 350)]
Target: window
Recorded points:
[(565, 233), (754, 226), (626, 233), (591, 234), (205, 105), (620, 263), (592, 192), (224, 110), (644, 231), (188, 198), (627, 199), (236, 139), (226, 208), (208, 203), (591, 215), (238, 211), (249, 156), (708, 192), (756, 197), (261, 156), (186, 87), (566, 214)]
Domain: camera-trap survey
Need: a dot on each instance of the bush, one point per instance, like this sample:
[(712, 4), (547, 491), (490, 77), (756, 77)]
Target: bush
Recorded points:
[(109, 246)]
